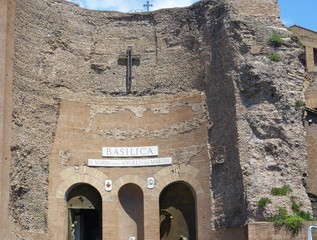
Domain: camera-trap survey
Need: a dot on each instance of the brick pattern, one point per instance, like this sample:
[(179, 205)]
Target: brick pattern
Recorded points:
[(311, 129), (81, 174), (267, 231), (79, 138), (178, 124), (258, 8), (309, 39)]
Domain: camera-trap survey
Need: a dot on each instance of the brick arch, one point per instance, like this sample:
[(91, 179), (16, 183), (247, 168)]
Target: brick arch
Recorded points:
[(81, 174), (186, 174), (137, 180)]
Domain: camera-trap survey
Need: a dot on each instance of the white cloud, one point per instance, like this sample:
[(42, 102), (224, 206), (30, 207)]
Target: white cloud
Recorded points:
[(287, 22), (130, 5), (157, 4), (116, 5)]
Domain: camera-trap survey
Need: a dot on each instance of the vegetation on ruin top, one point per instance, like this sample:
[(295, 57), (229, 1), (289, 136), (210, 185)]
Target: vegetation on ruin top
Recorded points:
[(276, 40)]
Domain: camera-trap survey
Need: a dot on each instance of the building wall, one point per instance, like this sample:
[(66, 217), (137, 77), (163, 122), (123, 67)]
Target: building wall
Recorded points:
[(176, 124), (309, 40), (256, 8), (7, 14), (311, 130), (73, 110), (204, 92), (265, 231)]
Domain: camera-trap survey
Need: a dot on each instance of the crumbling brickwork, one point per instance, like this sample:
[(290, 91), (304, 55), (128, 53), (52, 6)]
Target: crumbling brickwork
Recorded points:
[(205, 91)]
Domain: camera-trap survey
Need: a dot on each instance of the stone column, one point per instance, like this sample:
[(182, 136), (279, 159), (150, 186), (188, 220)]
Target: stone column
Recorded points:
[(110, 218), (151, 216)]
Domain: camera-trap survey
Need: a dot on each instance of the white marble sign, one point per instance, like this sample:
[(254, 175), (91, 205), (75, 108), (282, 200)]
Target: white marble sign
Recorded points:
[(130, 151), (142, 162)]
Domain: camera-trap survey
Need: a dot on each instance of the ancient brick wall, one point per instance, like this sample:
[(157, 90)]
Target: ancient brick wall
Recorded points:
[(69, 96), (311, 129), (264, 231), (7, 14), (257, 8), (177, 124), (309, 40), (170, 49)]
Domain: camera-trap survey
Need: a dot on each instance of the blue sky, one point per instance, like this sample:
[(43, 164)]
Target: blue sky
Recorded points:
[(131, 5), (299, 12)]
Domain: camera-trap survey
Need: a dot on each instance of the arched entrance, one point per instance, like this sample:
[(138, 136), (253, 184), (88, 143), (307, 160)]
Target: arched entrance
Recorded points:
[(84, 206), (131, 216), (177, 212)]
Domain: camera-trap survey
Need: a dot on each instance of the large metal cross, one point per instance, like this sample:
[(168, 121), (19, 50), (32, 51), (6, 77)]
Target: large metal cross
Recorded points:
[(147, 5), (129, 60)]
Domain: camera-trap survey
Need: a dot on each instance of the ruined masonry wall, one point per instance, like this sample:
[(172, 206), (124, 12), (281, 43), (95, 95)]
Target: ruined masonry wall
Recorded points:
[(61, 34), (257, 8), (64, 55)]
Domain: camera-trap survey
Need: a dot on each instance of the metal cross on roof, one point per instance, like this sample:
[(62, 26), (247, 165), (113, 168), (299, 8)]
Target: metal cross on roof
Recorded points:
[(147, 5), (129, 60)]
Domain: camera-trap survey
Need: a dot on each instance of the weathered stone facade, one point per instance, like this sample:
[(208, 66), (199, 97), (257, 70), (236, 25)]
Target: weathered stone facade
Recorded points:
[(205, 92), (308, 39)]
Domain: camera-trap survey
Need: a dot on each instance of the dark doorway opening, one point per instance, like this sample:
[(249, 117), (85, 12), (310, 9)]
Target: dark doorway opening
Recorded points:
[(85, 224), (84, 213), (177, 213), (132, 213)]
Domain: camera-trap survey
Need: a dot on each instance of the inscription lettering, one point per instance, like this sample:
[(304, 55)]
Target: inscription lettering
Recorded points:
[(130, 151), (129, 162)]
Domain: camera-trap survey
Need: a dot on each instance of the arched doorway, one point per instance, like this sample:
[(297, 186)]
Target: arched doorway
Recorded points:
[(131, 216), (84, 206), (177, 212)]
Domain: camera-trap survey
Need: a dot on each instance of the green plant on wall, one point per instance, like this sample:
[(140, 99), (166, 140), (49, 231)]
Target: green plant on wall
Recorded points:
[(278, 218), (276, 40), (264, 201), (282, 191), (299, 103), (295, 207), (274, 57), (292, 222)]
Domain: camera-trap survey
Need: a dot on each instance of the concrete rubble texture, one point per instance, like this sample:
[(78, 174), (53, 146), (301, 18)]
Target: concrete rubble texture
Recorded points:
[(215, 48)]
